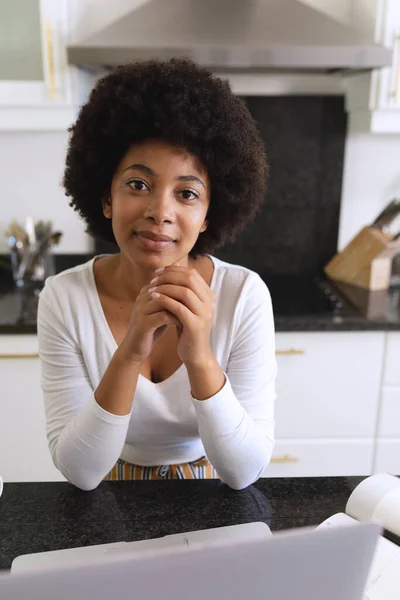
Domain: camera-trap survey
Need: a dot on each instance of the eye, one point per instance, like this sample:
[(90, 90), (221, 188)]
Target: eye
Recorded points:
[(138, 185), (188, 195)]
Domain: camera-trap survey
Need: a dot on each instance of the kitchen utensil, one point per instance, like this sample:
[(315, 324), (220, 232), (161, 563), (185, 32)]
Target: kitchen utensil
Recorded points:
[(30, 230), (29, 249), (16, 238), (388, 214), (37, 250)]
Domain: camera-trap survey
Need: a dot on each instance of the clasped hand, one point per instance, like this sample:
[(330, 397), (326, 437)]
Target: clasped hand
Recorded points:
[(177, 296)]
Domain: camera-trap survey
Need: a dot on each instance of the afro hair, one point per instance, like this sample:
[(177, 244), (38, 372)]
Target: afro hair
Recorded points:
[(182, 104)]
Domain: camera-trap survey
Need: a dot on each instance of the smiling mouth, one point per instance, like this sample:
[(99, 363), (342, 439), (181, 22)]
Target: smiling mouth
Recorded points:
[(154, 245)]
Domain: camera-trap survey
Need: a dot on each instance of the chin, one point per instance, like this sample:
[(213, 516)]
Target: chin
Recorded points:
[(152, 260)]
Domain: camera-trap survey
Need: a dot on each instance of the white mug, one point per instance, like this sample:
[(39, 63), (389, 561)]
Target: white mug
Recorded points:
[(1, 486)]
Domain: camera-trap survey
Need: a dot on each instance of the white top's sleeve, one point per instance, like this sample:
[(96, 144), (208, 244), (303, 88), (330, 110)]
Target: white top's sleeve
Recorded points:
[(85, 441), (237, 424)]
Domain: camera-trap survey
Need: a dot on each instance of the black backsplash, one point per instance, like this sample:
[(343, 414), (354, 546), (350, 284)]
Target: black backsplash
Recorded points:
[(296, 232)]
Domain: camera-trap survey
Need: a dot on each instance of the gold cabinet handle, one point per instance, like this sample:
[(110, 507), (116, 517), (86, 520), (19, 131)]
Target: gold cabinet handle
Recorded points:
[(286, 458), (290, 351), (50, 59), (396, 80), (31, 355)]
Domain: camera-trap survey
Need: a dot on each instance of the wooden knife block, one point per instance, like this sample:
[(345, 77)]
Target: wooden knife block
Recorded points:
[(366, 261)]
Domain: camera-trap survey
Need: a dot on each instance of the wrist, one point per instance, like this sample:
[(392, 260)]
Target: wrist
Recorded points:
[(206, 378), (124, 357), (204, 360)]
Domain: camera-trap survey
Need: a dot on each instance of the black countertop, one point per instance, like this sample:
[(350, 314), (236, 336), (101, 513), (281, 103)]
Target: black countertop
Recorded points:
[(299, 303), (35, 517)]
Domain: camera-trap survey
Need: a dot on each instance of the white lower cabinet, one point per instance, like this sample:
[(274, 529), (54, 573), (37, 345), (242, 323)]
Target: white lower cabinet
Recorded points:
[(309, 458), (327, 406), (392, 363), (24, 454), (389, 418), (387, 456), (328, 384)]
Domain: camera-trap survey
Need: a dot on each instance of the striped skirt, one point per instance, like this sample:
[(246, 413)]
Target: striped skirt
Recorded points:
[(198, 469)]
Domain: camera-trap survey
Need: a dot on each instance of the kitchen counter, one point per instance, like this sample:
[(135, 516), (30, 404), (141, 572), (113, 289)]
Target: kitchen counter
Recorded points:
[(295, 309), (36, 517)]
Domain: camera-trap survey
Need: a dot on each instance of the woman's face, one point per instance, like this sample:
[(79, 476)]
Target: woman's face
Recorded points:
[(158, 190)]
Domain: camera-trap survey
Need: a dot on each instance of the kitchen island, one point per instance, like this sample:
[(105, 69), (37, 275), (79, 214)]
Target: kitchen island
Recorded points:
[(35, 517)]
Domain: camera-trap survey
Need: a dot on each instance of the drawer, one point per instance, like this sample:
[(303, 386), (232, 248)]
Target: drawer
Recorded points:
[(16, 345), (391, 374), (313, 458), (328, 384), (24, 453), (389, 420), (387, 456)]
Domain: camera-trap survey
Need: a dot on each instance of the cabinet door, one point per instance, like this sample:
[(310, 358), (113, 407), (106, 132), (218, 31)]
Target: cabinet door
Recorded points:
[(37, 89), (315, 458), (387, 457), (33, 68), (389, 77), (328, 384), (392, 362), (24, 454), (389, 415)]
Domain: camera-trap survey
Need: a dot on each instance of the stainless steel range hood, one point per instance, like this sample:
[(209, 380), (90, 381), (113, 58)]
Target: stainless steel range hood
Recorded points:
[(260, 35)]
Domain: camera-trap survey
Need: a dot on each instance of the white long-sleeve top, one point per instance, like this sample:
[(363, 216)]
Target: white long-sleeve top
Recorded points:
[(234, 428)]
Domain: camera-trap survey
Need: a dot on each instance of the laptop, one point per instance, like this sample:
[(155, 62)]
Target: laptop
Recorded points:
[(102, 552), (304, 564)]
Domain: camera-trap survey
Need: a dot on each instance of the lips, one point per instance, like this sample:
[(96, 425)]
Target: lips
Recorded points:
[(154, 236), (153, 242)]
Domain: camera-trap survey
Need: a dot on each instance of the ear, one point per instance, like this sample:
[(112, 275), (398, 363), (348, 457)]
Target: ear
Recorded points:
[(204, 226), (106, 206)]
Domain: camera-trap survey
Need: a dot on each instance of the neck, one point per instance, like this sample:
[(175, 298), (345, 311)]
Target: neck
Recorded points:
[(131, 277)]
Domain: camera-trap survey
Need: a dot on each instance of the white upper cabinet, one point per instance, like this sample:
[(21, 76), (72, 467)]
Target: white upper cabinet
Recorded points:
[(36, 83), (373, 99)]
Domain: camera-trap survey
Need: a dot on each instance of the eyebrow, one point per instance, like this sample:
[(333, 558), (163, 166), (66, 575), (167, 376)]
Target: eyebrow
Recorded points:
[(148, 171)]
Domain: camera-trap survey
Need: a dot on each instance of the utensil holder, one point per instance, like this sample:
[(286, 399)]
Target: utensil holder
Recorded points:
[(366, 261), (41, 268)]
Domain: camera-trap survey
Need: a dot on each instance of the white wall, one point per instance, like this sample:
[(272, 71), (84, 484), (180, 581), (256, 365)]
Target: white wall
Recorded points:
[(31, 169), (371, 178)]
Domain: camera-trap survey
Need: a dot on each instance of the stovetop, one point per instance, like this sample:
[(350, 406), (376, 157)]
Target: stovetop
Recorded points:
[(303, 295)]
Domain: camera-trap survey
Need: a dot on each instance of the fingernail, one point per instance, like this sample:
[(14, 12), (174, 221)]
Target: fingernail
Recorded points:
[(155, 295), (159, 270), (151, 290), (154, 280)]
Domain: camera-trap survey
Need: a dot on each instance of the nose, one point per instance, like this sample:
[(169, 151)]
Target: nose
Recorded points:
[(160, 208)]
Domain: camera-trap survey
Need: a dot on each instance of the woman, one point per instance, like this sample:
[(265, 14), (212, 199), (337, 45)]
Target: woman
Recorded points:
[(159, 361)]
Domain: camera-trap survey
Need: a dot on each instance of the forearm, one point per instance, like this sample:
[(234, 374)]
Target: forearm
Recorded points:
[(90, 445), (206, 377), (238, 447), (117, 388)]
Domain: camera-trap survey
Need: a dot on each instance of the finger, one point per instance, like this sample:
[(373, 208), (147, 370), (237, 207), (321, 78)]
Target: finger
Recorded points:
[(184, 277), (163, 317), (152, 306), (184, 315), (182, 294)]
